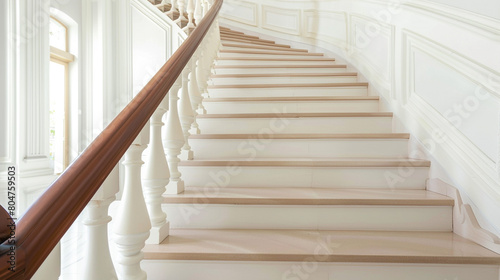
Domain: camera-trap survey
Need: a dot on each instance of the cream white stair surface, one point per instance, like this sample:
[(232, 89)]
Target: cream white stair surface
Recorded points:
[(319, 255), (276, 61), (295, 172), (300, 146), (273, 69), (291, 104), (284, 79), (297, 175), (282, 122), (307, 208), (288, 90)]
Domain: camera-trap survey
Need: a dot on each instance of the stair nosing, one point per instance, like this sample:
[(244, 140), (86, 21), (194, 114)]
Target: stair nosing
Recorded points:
[(300, 115), (277, 59), (278, 75), (353, 84), (290, 99), (309, 163), (280, 66)]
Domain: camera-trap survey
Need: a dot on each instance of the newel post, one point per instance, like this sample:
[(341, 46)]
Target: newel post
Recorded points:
[(173, 140), (186, 114), (132, 224), (155, 178), (97, 262)]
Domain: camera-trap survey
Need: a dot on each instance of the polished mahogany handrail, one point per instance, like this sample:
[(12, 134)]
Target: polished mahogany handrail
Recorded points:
[(46, 221)]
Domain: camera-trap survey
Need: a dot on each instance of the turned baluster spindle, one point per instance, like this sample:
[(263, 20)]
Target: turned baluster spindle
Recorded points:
[(195, 94), (198, 12), (186, 114), (132, 224), (173, 9), (190, 11), (156, 177), (180, 5), (97, 262), (205, 7), (173, 140)]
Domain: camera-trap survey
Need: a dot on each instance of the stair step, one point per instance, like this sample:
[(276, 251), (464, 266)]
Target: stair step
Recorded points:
[(279, 69), (306, 208), (358, 173), (251, 42), (291, 123), (206, 146), (335, 246), (291, 104), (298, 78), (244, 37), (273, 61), (267, 54), (235, 46), (289, 90)]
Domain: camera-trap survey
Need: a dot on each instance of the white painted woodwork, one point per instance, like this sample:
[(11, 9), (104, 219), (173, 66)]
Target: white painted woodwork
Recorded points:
[(288, 91), (181, 8), (278, 124), (195, 94), (399, 177), (282, 80), (186, 114), (156, 176), (300, 105), (266, 68), (264, 146), (190, 11), (352, 217), (198, 11), (173, 139), (132, 223), (268, 54), (263, 60)]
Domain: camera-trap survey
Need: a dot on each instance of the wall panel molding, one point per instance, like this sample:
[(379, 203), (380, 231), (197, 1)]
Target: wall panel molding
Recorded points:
[(283, 20), (240, 11), (328, 26)]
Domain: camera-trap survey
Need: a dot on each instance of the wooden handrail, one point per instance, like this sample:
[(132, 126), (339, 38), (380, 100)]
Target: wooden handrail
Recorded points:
[(46, 221)]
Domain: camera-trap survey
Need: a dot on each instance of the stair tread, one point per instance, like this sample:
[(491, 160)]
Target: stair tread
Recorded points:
[(310, 196), (299, 115), (308, 162), (263, 47), (270, 52), (352, 136), (295, 98), (255, 42), (334, 246)]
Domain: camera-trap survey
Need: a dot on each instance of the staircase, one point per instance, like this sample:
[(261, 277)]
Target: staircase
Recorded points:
[(298, 175)]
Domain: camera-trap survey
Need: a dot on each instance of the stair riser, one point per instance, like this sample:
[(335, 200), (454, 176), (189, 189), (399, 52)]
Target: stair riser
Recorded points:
[(248, 55), (311, 269), (267, 126), (291, 106), (320, 177), (392, 218), (274, 62), (286, 148), (288, 92), (250, 43), (283, 80), (243, 47), (278, 70)]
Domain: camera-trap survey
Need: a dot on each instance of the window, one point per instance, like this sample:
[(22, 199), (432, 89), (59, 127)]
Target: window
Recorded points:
[(58, 99)]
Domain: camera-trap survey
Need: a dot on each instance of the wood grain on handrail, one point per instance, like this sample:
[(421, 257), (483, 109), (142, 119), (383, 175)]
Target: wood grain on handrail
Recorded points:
[(43, 225)]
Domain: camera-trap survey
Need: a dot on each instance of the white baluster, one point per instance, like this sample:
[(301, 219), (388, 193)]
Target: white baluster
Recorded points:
[(190, 11), (97, 262), (198, 12), (180, 5), (205, 7), (186, 114), (132, 224), (173, 9), (155, 178), (195, 95), (201, 74), (173, 140)]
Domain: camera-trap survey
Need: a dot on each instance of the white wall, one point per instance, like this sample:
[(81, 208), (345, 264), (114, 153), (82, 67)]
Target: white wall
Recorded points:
[(434, 65)]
